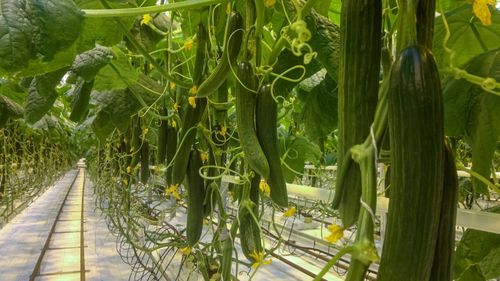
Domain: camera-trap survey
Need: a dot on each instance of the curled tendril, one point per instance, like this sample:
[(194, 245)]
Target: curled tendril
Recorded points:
[(489, 84)]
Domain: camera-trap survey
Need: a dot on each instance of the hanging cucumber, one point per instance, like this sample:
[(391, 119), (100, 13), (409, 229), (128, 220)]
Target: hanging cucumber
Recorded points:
[(442, 267), (249, 229), (245, 119), (171, 147), (232, 45), (145, 161), (426, 13), (358, 86), (162, 138), (417, 163), (196, 195), (266, 117), (192, 114), (135, 143)]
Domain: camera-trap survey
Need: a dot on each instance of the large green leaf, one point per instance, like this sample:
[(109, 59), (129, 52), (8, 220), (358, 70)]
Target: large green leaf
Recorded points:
[(42, 95), (114, 109), (477, 255), (296, 151), (319, 109), (473, 113), (9, 109), (87, 64), (34, 29), (116, 75), (469, 37), (102, 31)]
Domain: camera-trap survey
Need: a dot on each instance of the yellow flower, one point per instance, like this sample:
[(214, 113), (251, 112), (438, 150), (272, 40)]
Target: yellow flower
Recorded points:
[(146, 19), (290, 212), (172, 191), (188, 44), (264, 187), (481, 10), (129, 169), (145, 132), (186, 250), (204, 157), (223, 130), (172, 85), (193, 90), (174, 124), (259, 259), (269, 3), (176, 107), (192, 101), (337, 232), (125, 181)]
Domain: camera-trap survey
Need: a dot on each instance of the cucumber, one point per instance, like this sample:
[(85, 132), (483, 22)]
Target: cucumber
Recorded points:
[(426, 13), (171, 147), (161, 150), (266, 118), (417, 162), (358, 85), (145, 161), (196, 196), (135, 142), (245, 120), (191, 116), (442, 267), (250, 239), (232, 46)]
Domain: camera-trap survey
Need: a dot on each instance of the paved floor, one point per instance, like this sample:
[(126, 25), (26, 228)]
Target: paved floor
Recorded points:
[(22, 239)]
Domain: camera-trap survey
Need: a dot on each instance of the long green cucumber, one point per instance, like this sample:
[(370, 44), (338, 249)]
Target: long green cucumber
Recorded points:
[(191, 116), (232, 46), (266, 118), (196, 195), (245, 119), (171, 148), (250, 239), (358, 85), (417, 162), (135, 142), (145, 161), (442, 267), (426, 13), (161, 150)]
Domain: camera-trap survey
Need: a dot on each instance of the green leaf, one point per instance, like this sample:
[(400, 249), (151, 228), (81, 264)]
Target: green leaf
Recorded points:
[(490, 265), (102, 31), (9, 109), (41, 95), (474, 254), (87, 64), (101, 126), (117, 106), (319, 109), (81, 99), (334, 11), (34, 29), (469, 37), (473, 113), (322, 6), (117, 74), (472, 273), (297, 151)]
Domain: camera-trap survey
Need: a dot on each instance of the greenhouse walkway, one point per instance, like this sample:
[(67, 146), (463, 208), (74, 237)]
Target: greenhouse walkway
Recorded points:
[(44, 241)]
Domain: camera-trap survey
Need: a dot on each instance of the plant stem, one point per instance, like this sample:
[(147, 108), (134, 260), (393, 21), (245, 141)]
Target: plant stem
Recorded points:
[(130, 12), (333, 261)]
